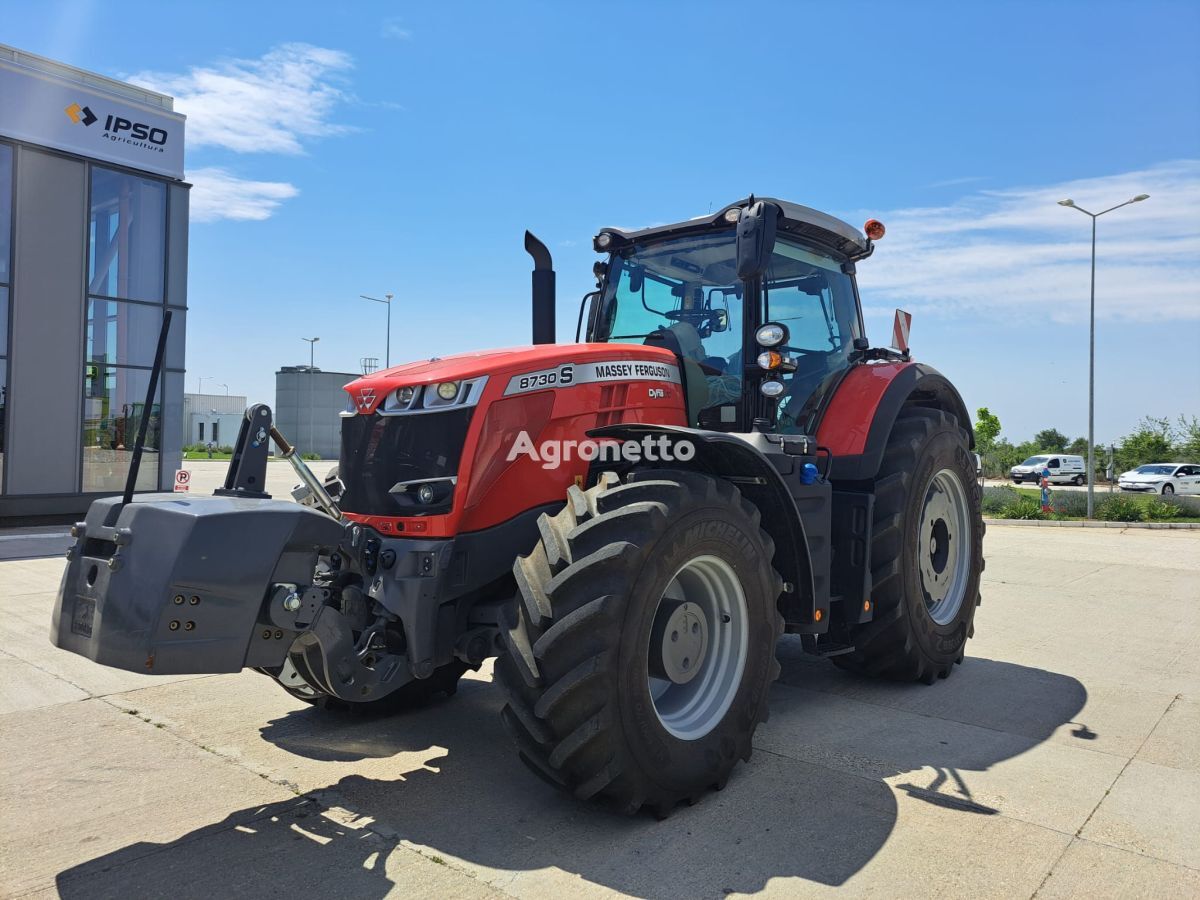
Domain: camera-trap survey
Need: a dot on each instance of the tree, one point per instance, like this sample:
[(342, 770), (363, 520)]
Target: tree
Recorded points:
[(1187, 439), (1150, 443), (1078, 447), (1051, 439), (987, 429)]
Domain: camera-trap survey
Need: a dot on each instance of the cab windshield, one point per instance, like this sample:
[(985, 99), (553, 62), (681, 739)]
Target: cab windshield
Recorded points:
[(684, 294), (1155, 470), (1035, 460)]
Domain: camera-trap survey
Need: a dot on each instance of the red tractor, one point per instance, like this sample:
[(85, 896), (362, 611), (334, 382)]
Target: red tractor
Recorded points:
[(628, 524)]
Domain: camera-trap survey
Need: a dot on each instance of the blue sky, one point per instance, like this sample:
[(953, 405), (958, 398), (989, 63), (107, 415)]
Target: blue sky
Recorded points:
[(406, 147)]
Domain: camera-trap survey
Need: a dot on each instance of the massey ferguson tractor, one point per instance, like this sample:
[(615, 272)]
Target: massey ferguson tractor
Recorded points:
[(628, 524)]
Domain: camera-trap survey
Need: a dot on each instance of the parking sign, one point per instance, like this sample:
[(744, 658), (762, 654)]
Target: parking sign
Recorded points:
[(183, 480)]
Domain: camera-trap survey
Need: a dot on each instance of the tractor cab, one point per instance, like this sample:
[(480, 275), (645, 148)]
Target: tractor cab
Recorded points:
[(765, 322)]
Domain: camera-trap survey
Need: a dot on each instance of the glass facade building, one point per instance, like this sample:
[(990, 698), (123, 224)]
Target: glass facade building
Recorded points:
[(93, 252)]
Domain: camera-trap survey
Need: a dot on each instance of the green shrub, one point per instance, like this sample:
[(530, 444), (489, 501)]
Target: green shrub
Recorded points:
[(996, 498), (1118, 508), (1022, 508), (310, 456), (1069, 504), (1156, 510)]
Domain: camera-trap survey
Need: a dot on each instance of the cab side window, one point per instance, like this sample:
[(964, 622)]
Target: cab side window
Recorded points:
[(1054, 464)]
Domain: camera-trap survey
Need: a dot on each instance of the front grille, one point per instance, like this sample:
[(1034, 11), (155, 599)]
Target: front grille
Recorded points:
[(380, 451)]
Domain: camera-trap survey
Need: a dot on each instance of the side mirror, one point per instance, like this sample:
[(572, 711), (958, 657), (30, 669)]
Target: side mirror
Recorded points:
[(637, 278), (756, 238), (587, 304), (720, 320)]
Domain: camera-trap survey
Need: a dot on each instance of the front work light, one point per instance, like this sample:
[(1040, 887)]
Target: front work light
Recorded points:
[(771, 335), (425, 494), (448, 390), (732, 215), (772, 388)]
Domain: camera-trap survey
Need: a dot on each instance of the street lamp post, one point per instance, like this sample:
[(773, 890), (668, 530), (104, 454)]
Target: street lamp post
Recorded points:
[(312, 346), (200, 383), (226, 388), (387, 359), (1092, 346)]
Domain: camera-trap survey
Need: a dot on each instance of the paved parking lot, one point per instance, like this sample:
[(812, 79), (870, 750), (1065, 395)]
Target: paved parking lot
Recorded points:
[(1060, 760)]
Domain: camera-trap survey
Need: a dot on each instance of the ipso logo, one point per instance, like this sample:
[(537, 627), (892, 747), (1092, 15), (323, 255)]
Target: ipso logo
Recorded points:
[(648, 448), (119, 129)]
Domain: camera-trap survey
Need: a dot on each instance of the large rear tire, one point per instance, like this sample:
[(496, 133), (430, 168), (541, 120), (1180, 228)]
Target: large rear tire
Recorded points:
[(926, 553), (641, 646)]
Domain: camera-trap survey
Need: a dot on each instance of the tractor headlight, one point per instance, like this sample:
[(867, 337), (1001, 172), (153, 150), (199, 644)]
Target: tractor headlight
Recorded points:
[(448, 390), (404, 396), (425, 494), (772, 388), (603, 239), (732, 215), (771, 335)]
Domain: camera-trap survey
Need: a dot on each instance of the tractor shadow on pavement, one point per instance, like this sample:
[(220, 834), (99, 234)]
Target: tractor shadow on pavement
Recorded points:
[(812, 803)]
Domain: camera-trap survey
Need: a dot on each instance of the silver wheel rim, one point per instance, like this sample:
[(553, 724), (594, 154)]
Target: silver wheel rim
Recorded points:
[(944, 546), (698, 645)]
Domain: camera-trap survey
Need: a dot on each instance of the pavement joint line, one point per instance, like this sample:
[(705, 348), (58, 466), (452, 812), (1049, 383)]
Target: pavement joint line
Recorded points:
[(898, 709), (962, 805), (319, 796), (45, 671), (1100, 802), (34, 537), (191, 838)]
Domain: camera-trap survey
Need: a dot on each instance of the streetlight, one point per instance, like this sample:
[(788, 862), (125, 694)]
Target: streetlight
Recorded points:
[(387, 364), (312, 346), (200, 383), (226, 388), (1092, 344)]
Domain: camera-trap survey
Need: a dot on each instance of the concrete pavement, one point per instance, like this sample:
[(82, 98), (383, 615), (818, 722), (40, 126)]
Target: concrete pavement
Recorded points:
[(1060, 760)]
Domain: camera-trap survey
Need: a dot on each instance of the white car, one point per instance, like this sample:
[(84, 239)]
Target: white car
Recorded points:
[(1063, 469), (1162, 478)]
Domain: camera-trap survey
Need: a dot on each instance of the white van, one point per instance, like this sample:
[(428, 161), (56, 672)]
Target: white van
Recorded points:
[(1063, 469)]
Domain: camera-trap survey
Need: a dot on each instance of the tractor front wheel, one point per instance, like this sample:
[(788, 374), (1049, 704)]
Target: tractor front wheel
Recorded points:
[(414, 694), (641, 645), (926, 553)]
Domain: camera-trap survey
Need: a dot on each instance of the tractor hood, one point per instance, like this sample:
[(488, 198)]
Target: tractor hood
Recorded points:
[(368, 392)]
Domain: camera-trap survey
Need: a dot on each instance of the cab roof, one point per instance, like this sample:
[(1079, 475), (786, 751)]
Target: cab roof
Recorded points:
[(802, 222)]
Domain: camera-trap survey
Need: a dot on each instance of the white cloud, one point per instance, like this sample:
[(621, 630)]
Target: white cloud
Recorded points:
[(1016, 253), (264, 105), (392, 28), (218, 194)]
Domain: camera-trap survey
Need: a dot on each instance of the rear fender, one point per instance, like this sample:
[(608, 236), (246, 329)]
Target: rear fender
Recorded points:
[(859, 418), (735, 459)]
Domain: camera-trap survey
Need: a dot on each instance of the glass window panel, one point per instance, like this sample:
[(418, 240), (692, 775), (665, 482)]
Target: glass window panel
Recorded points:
[(113, 399), (3, 321), (6, 168), (122, 334), (127, 236), (3, 413)]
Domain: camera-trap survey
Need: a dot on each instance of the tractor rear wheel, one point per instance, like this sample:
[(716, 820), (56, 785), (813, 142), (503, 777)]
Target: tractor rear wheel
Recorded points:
[(926, 552), (641, 645)]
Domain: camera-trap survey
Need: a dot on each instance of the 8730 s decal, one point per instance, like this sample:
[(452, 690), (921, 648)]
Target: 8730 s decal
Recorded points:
[(571, 374)]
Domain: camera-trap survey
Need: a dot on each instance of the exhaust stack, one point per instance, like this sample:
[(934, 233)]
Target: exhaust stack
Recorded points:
[(543, 290)]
